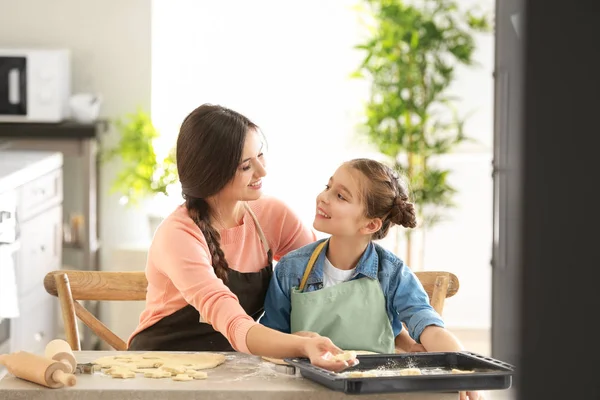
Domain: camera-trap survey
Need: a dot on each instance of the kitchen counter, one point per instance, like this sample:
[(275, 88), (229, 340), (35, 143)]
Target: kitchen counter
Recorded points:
[(240, 377), (19, 167)]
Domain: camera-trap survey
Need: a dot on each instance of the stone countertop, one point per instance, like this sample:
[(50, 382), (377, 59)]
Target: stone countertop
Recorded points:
[(240, 377), (19, 167)]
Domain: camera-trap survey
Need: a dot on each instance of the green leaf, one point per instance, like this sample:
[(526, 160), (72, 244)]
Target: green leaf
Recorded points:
[(410, 58), (141, 174)]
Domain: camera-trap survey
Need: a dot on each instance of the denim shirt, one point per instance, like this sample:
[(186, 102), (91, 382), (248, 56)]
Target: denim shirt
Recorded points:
[(406, 300)]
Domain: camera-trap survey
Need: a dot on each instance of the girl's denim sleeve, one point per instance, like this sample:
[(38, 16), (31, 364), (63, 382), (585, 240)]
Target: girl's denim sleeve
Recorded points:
[(277, 303), (411, 304)]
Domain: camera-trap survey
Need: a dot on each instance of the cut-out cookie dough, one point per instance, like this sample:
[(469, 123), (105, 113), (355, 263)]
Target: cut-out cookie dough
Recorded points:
[(119, 372), (182, 377), (158, 365), (363, 352), (361, 374), (174, 369), (345, 356), (196, 374), (194, 360), (410, 371), (461, 371), (279, 361), (157, 374)]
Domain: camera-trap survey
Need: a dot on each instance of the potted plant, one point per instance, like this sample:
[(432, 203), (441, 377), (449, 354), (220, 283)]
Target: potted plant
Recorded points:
[(410, 58), (143, 176)]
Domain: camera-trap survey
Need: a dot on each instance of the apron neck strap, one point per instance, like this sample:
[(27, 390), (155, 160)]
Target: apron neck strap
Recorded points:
[(261, 234), (311, 264)]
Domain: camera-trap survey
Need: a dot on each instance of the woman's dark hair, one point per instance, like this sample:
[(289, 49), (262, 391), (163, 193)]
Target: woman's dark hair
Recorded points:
[(384, 196), (209, 148)]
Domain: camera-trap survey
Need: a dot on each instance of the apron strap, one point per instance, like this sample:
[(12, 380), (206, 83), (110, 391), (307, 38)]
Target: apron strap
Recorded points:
[(311, 263), (261, 234)]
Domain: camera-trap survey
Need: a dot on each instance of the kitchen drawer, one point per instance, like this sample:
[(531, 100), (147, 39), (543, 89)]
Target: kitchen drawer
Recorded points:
[(36, 325), (41, 249), (40, 194)]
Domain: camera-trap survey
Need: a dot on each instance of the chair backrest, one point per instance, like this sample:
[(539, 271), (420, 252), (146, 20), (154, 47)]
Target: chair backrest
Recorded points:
[(439, 285), (72, 285)]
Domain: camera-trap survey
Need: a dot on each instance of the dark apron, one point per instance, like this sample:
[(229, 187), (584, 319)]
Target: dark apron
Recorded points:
[(183, 331)]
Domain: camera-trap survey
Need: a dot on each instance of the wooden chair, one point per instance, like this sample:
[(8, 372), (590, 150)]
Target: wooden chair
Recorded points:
[(70, 286), (439, 285)]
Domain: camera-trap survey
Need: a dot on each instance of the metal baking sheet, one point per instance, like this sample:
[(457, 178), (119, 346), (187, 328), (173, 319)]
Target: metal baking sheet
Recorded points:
[(482, 373)]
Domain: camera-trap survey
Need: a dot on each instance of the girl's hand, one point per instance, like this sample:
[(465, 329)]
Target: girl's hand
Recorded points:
[(320, 349), (417, 348)]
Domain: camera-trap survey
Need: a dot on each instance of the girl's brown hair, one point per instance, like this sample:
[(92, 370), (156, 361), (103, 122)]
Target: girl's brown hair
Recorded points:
[(384, 196), (209, 148)]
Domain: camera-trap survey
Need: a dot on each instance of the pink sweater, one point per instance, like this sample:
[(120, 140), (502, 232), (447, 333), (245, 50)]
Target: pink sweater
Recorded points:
[(179, 269)]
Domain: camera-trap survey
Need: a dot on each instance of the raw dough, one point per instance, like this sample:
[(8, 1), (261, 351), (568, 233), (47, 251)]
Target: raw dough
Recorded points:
[(361, 374), (182, 377), (123, 357), (409, 371), (107, 362), (159, 365), (196, 374), (460, 371), (197, 360), (141, 363), (345, 356), (364, 352), (277, 361), (157, 374), (119, 372), (174, 369)]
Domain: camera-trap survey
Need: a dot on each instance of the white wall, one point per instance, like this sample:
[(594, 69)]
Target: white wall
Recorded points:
[(110, 43), (272, 61), (286, 65)]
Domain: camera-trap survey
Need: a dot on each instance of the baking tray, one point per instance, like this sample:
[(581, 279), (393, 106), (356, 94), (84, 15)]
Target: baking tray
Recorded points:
[(488, 373)]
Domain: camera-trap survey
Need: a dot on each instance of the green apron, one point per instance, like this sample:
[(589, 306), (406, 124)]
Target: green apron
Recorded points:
[(352, 314)]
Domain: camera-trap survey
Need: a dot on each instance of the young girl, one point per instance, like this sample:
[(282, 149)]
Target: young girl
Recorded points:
[(348, 288)]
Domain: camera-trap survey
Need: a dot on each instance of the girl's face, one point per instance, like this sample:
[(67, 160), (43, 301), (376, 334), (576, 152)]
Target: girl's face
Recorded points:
[(247, 183), (340, 210)]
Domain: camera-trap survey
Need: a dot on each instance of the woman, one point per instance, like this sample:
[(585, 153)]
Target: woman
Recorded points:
[(210, 261)]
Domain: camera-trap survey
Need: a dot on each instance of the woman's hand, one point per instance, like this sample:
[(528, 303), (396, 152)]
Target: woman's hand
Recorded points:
[(319, 351)]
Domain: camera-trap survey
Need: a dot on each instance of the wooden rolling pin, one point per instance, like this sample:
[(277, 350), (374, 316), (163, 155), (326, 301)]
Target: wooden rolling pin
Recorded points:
[(59, 350), (38, 369)]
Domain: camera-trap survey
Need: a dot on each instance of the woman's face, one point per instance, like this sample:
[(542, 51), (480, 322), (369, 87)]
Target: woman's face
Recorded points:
[(247, 183), (339, 209)]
